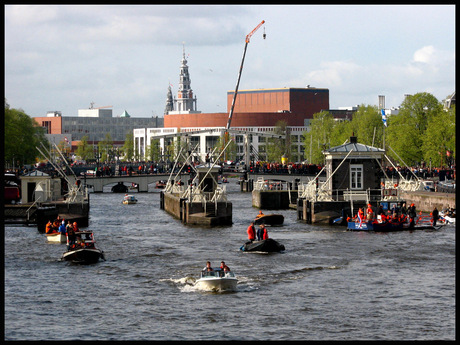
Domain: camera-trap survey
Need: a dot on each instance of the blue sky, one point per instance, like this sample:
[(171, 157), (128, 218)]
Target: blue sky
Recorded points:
[(64, 57)]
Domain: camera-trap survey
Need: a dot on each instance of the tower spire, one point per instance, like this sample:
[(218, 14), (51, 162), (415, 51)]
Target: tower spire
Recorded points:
[(185, 102)]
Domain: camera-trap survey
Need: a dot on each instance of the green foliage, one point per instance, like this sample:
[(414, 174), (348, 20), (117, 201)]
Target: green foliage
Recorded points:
[(439, 138), (319, 137), (277, 147), (84, 150), (22, 137), (422, 130), (408, 134), (128, 147), (105, 148), (153, 152), (230, 151)]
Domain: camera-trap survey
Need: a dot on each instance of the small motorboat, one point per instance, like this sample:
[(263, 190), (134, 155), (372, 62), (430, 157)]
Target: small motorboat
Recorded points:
[(217, 280), (390, 226), (269, 245), (84, 250), (56, 237), (270, 219), (160, 184), (447, 217), (129, 199)]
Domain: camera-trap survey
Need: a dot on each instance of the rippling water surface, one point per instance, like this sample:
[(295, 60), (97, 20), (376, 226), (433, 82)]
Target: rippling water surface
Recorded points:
[(329, 284)]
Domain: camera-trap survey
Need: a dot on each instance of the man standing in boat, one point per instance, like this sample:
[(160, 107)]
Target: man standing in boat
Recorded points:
[(251, 232), (412, 215), (435, 215), (262, 233)]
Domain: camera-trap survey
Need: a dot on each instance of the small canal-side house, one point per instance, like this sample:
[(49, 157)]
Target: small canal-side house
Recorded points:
[(354, 175), (202, 202)]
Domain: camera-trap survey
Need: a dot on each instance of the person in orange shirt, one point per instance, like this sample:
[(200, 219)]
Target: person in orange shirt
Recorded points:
[(251, 232), (369, 212), (260, 214)]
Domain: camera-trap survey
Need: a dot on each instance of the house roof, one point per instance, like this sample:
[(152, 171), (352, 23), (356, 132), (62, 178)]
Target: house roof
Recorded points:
[(125, 114), (355, 146)]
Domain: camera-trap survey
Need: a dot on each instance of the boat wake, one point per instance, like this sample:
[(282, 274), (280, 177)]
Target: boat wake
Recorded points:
[(188, 284)]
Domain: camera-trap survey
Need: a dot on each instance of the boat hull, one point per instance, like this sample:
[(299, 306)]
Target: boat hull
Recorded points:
[(56, 238), (217, 284), (267, 246), (387, 227), (83, 255), (270, 219)]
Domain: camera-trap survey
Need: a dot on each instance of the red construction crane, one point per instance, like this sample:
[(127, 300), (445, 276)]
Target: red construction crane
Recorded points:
[(248, 36)]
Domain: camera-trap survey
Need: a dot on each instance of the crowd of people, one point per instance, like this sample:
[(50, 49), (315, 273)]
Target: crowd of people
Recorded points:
[(71, 230), (396, 214)]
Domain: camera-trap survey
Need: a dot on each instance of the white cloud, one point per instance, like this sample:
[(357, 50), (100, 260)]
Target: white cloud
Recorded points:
[(67, 56), (425, 54)]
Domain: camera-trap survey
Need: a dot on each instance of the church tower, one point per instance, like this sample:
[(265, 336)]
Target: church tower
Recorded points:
[(169, 101), (185, 102)]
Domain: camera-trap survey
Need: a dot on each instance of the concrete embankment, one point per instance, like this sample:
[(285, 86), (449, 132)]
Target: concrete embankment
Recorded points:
[(426, 201)]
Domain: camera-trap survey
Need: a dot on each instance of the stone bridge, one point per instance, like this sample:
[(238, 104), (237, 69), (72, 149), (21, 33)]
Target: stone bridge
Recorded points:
[(143, 181)]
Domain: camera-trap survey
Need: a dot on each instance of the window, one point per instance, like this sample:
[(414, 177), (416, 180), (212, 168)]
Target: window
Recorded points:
[(356, 176)]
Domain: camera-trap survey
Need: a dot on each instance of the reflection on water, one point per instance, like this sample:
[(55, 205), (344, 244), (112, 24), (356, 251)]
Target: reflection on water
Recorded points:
[(329, 284)]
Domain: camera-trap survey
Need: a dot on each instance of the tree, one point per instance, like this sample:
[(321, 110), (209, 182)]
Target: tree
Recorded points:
[(406, 131), (153, 152), (420, 107), (439, 138), (277, 147), (128, 147), (365, 120), (84, 150), (230, 151), (22, 137), (319, 137), (104, 146)]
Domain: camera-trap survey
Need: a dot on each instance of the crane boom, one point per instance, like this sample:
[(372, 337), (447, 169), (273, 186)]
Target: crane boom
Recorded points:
[(248, 36)]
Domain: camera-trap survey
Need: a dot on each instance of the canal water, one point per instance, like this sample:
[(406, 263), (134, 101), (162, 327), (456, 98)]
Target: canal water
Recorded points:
[(329, 284)]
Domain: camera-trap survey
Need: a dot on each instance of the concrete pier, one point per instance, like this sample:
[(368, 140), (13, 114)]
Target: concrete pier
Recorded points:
[(197, 213), (273, 199)]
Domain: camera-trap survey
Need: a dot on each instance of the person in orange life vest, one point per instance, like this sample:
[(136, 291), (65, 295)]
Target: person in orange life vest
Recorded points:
[(224, 267), (260, 214), (383, 218), (57, 223), (369, 212), (251, 232), (263, 233), (49, 227)]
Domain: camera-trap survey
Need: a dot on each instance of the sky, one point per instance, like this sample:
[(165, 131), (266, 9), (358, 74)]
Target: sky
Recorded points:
[(64, 57)]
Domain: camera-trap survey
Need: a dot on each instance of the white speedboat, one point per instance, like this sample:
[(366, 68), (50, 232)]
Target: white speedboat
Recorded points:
[(129, 199), (217, 280), (56, 237), (447, 217)]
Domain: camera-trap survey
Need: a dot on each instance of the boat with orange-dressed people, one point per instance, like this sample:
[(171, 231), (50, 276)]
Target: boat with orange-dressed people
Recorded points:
[(269, 219), (392, 221), (52, 232), (81, 249)]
